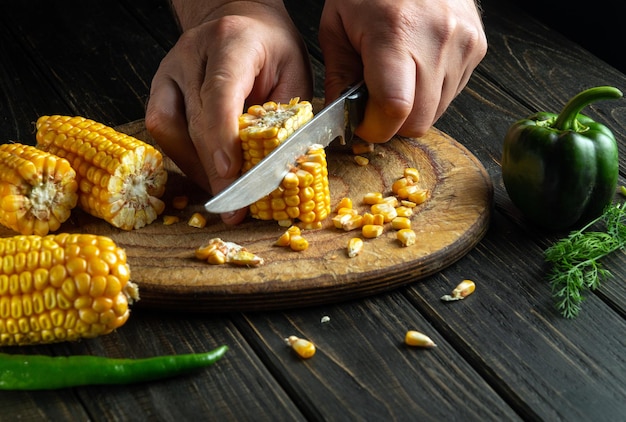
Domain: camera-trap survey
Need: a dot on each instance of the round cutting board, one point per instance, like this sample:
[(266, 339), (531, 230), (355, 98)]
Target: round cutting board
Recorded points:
[(448, 225)]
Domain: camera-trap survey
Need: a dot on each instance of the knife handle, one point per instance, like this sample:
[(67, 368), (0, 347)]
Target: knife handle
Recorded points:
[(355, 109)]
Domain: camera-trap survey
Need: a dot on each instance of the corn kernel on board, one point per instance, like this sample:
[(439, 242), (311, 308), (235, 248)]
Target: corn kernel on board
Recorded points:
[(448, 225)]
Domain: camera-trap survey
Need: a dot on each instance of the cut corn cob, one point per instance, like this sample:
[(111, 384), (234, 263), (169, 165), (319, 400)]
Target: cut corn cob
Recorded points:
[(120, 177), (304, 194), (264, 127), (62, 287), (37, 189)]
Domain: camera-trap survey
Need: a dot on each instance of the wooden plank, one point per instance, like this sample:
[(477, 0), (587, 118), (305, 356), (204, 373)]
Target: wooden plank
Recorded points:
[(228, 390), (363, 371), (106, 69)]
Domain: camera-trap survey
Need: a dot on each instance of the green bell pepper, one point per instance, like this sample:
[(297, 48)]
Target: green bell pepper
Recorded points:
[(561, 170)]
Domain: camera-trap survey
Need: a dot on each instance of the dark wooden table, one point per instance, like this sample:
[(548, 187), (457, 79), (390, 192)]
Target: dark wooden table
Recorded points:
[(503, 354)]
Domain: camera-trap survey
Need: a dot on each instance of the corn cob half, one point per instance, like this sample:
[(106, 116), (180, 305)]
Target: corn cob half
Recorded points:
[(304, 194), (265, 126), (62, 287), (120, 177), (37, 189)]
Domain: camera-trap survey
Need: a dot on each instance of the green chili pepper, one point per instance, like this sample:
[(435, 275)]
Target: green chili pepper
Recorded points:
[(561, 170), (37, 372)]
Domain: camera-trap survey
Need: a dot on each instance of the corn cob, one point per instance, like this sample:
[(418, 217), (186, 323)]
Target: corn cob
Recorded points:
[(37, 189), (304, 193), (120, 178), (62, 287), (265, 126)]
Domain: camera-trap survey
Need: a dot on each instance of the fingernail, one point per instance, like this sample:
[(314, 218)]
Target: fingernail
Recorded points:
[(221, 162)]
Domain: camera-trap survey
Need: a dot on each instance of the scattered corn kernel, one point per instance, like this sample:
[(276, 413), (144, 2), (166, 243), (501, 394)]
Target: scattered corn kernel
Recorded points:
[(197, 220), (387, 211), (406, 237), (360, 160), (168, 220), (463, 290), (283, 240), (370, 231), (392, 201), (415, 338), (400, 223), (354, 222), (404, 211), (345, 202), (180, 202), (400, 183), (303, 348), (298, 243), (407, 203), (359, 148), (412, 173), (372, 198), (419, 196), (355, 246), (216, 251)]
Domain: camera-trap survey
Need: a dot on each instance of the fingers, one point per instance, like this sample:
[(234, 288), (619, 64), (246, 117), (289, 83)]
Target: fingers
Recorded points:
[(203, 83), (415, 58)]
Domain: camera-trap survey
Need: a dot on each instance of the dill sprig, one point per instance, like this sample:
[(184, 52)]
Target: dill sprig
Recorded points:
[(575, 259)]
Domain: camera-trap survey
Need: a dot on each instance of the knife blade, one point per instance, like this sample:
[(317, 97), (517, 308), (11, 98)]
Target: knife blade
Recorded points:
[(339, 119)]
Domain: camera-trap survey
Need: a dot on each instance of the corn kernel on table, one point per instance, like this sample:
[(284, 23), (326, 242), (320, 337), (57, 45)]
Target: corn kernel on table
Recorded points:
[(503, 353)]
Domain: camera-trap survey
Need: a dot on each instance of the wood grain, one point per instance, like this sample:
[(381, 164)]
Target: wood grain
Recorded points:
[(449, 224)]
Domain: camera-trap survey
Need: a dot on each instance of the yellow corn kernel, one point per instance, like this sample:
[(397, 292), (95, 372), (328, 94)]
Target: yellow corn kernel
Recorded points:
[(355, 246), (303, 348), (360, 160), (400, 183), (404, 211), (197, 220), (408, 204), (344, 203), (372, 198), (120, 178), (406, 237), (168, 220), (369, 218), (392, 201), (216, 251), (400, 223), (86, 293), (180, 202), (370, 231), (354, 222), (283, 240), (387, 211), (362, 147), (415, 338), (463, 290), (298, 243), (405, 191), (38, 190), (412, 173), (419, 196)]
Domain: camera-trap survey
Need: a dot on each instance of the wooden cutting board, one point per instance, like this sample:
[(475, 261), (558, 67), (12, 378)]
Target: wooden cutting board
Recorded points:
[(448, 225)]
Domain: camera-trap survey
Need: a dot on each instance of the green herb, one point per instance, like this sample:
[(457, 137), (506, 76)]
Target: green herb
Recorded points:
[(574, 259)]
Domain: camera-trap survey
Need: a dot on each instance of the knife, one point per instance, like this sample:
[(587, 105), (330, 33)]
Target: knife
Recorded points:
[(339, 119)]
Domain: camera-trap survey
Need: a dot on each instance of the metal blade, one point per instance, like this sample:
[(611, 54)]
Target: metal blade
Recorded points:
[(338, 119)]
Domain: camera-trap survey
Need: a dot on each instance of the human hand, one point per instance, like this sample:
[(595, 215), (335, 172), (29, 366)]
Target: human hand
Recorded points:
[(229, 56), (414, 55)]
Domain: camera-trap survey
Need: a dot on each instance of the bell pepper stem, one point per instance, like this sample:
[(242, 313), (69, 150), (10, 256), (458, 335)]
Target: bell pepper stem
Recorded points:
[(567, 119)]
